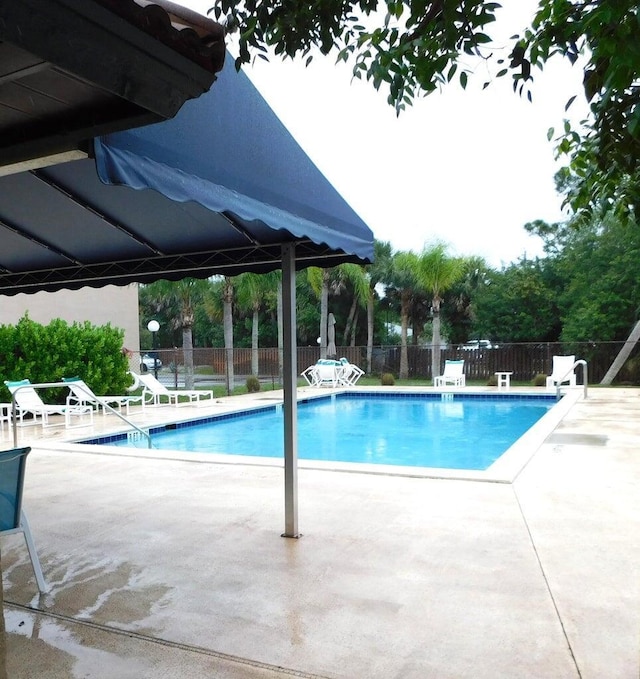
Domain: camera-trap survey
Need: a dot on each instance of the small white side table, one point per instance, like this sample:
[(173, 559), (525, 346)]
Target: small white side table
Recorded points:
[(504, 380)]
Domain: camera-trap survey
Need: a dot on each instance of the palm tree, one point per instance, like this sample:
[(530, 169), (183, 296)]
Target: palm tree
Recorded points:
[(460, 315), (218, 305), (335, 281), (403, 284), (319, 282), (252, 291), (358, 282), (186, 294), (377, 272), (437, 272)]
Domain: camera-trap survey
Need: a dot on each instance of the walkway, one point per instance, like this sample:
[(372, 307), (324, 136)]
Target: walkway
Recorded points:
[(171, 569)]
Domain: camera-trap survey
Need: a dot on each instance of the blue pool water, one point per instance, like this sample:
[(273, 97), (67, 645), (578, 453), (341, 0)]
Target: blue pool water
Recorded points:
[(424, 430)]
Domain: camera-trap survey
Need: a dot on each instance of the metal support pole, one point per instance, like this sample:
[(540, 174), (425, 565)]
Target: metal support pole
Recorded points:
[(290, 384), (155, 355)]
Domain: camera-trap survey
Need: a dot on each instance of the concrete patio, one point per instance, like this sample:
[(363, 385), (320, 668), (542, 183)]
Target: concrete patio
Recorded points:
[(166, 568)]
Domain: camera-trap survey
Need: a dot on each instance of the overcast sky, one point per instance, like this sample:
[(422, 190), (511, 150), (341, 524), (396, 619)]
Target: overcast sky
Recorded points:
[(468, 168)]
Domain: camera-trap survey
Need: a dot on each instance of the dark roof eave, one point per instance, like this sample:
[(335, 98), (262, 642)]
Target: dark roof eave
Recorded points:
[(140, 58)]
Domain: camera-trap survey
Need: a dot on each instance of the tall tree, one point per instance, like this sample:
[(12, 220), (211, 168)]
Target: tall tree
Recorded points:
[(344, 278), (251, 291), (378, 271), (319, 281), (459, 314), (602, 175), (219, 305), (403, 283), (185, 294), (437, 272), (518, 305), (357, 282), (598, 274)]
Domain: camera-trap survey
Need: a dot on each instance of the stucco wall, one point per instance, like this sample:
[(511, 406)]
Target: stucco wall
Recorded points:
[(111, 304)]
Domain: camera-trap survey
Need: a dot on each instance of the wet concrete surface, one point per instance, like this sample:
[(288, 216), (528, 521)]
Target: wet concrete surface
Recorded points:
[(171, 568)]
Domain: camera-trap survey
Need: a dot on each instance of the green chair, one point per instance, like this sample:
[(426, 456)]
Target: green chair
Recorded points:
[(12, 517)]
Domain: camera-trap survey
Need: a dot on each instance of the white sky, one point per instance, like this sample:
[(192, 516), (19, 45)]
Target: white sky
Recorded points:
[(469, 168)]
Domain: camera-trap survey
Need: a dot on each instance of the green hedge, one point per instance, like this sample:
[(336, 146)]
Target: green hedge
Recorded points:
[(47, 353)]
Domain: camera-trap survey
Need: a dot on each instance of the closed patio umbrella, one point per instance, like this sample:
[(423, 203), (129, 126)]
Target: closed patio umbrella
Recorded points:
[(331, 336)]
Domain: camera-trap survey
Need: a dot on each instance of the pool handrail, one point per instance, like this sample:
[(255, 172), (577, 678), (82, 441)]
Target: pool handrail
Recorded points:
[(51, 385), (585, 377)]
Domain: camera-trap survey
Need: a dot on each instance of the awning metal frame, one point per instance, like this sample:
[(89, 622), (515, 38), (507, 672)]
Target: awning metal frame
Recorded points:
[(170, 267)]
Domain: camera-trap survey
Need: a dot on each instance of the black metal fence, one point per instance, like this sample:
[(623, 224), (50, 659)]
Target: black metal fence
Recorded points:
[(524, 360)]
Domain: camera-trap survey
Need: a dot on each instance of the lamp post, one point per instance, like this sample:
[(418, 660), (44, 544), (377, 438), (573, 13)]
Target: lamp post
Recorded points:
[(153, 327)]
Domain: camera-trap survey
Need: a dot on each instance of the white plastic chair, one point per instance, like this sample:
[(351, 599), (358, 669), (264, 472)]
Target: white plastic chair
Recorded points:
[(453, 374), (27, 401), (562, 372), (154, 393), (324, 373), (349, 373), (12, 517), (81, 394)]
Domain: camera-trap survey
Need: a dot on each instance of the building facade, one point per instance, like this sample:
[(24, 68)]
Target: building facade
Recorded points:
[(117, 305)]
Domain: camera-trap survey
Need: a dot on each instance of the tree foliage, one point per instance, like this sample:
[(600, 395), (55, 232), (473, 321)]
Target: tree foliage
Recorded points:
[(595, 273), (459, 312), (602, 172), (437, 273), (403, 286), (517, 305), (409, 47), (586, 288), (413, 48)]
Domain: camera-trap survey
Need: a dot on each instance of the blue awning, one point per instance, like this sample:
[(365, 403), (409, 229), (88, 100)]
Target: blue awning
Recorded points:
[(217, 189)]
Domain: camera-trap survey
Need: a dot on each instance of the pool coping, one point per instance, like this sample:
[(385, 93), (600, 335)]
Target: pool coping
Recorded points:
[(505, 469)]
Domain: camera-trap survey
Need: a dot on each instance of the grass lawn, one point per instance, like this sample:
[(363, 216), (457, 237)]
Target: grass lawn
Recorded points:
[(365, 381)]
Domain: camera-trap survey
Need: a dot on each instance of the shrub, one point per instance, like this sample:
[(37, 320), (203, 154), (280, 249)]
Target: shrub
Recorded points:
[(492, 381), (540, 380), (47, 353), (387, 380), (630, 372), (253, 384)]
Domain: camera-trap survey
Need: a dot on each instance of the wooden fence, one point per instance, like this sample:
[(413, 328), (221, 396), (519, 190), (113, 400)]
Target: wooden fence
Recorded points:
[(524, 360)]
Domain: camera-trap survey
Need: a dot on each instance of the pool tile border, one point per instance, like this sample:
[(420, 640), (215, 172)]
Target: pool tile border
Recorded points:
[(350, 395), (504, 470)]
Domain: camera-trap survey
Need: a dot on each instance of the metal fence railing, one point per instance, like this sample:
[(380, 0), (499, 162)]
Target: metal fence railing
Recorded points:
[(524, 360)]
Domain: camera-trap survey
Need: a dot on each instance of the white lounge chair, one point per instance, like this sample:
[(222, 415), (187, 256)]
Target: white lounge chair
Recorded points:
[(81, 394), (349, 373), (453, 374), (562, 372), (154, 393), (324, 373), (28, 401)]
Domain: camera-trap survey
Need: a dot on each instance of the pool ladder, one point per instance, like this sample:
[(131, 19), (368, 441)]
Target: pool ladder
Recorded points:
[(585, 377)]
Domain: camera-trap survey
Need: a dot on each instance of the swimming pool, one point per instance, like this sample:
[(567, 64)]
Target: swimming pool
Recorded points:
[(416, 430)]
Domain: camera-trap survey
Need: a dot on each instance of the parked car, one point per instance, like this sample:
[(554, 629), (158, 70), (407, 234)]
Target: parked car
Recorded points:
[(475, 345), (150, 362)]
